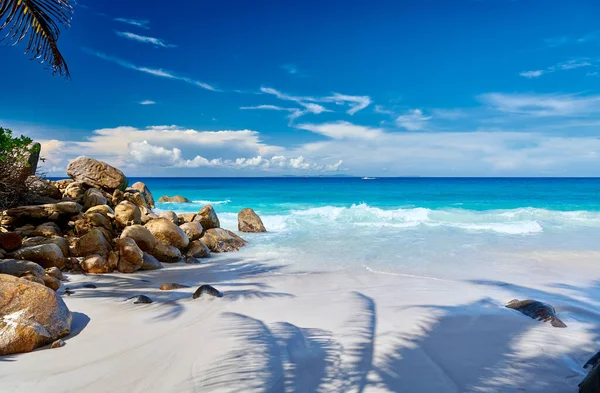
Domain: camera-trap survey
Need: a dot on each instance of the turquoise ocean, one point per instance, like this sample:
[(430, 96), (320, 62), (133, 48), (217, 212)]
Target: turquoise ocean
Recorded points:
[(439, 227)]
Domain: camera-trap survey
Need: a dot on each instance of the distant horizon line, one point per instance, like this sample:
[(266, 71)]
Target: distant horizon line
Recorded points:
[(349, 177)]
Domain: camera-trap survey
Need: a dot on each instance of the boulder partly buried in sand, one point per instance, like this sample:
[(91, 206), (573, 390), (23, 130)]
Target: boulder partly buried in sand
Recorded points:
[(96, 264), (167, 254), (249, 221), (97, 174), (172, 286), (222, 240), (31, 316), (150, 263), (206, 290), (537, 310), (197, 249)]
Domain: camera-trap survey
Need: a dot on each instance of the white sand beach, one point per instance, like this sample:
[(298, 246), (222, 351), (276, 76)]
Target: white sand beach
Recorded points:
[(317, 332)]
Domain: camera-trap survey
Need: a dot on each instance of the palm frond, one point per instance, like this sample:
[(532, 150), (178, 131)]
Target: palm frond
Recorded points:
[(39, 20)]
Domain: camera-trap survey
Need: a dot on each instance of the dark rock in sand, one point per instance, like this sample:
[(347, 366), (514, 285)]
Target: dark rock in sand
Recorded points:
[(537, 310), (197, 249), (89, 286), (591, 383), (191, 260), (172, 286), (207, 290), (249, 221), (151, 263), (51, 282), (57, 344), (141, 299)]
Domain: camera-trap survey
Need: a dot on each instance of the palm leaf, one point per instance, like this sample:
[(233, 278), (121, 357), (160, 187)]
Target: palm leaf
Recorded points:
[(38, 20)]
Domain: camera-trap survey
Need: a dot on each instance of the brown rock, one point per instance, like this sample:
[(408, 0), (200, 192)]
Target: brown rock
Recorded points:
[(150, 263), (54, 272), (142, 236), (249, 221), (93, 242), (19, 268), (57, 344), (10, 241), (126, 213), (32, 316), (113, 259), (35, 279), (222, 240), (47, 229), (146, 218), (96, 173), (208, 218), (59, 241), (186, 217), (141, 187), (93, 197), (96, 264), (171, 216), (46, 255), (75, 191), (62, 184), (175, 199), (167, 233), (131, 258), (193, 230), (42, 187), (117, 197), (171, 286), (197, 249), (51, 282), (190, 260), (137, 199), (167, 254), (49, 211), (102, 209)]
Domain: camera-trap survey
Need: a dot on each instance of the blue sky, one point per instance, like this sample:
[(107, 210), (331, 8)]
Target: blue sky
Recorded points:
[(265, 88)]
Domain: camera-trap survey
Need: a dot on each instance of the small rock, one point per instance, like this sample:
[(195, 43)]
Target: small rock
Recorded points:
[(93, 197), (167, 254), (69, 291), (150, 263), (191, 260), (207, 217), (193, 230), (537, 310), (141, 299), (186, 217), (48, 229), (197, 249), (10, 241), (89, 286), (51, 282), (176, 199), (172, 286), (57, 344), (206, 290), (96, 264), (54, 272)]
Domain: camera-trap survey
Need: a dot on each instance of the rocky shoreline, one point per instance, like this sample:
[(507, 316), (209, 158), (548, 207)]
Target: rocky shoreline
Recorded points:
[(93, 223)]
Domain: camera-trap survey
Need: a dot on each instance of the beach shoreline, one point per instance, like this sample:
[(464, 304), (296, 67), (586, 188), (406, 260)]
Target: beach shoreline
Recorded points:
[(330, 331)]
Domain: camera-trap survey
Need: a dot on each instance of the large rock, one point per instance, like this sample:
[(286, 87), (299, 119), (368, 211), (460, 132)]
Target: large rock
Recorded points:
[(142, 236), (61, 242), (193, 230), (150, 263), (46, 255), (127, 213), (167, 254), (171, 216), (222, 240), (75, 191), (47, 229), (93, 242), (10, 241), (33, 158), (102, 209), (89, 220), (31, 316), (18, 268), (50, 211), (208, 218), (176, 199), (145, 191), (96, 264), (197, 249), (137, 199), (42, 187), (186, 217), (96, 174), (93, 197), (168, 233), (131, 258), (249, 221)]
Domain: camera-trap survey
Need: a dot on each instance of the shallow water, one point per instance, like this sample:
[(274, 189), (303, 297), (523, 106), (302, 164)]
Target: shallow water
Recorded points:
[(433, 227)]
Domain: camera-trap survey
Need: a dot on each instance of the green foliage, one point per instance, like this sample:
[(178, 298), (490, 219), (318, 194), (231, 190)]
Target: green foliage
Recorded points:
[(15, 148)]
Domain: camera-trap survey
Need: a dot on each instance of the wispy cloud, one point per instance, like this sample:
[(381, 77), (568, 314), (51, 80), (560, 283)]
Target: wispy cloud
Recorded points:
[(290, 69), (294, 112), (147, 102), (144, 39), (343, 130), (564, 66), (590, 37), (143, 23), (152, 71), (413, 120), (542, 105)]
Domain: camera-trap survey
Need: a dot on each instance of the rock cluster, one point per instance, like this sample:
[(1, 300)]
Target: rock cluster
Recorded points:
[(95, 224)]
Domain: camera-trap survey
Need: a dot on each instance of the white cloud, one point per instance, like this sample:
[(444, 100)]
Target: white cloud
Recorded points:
[(147, 102), (342, 130), (542, 105), (143, 23), (144, 39), (413, 120), (145, 153), (152, 71), (564, 66), (357, 103)]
